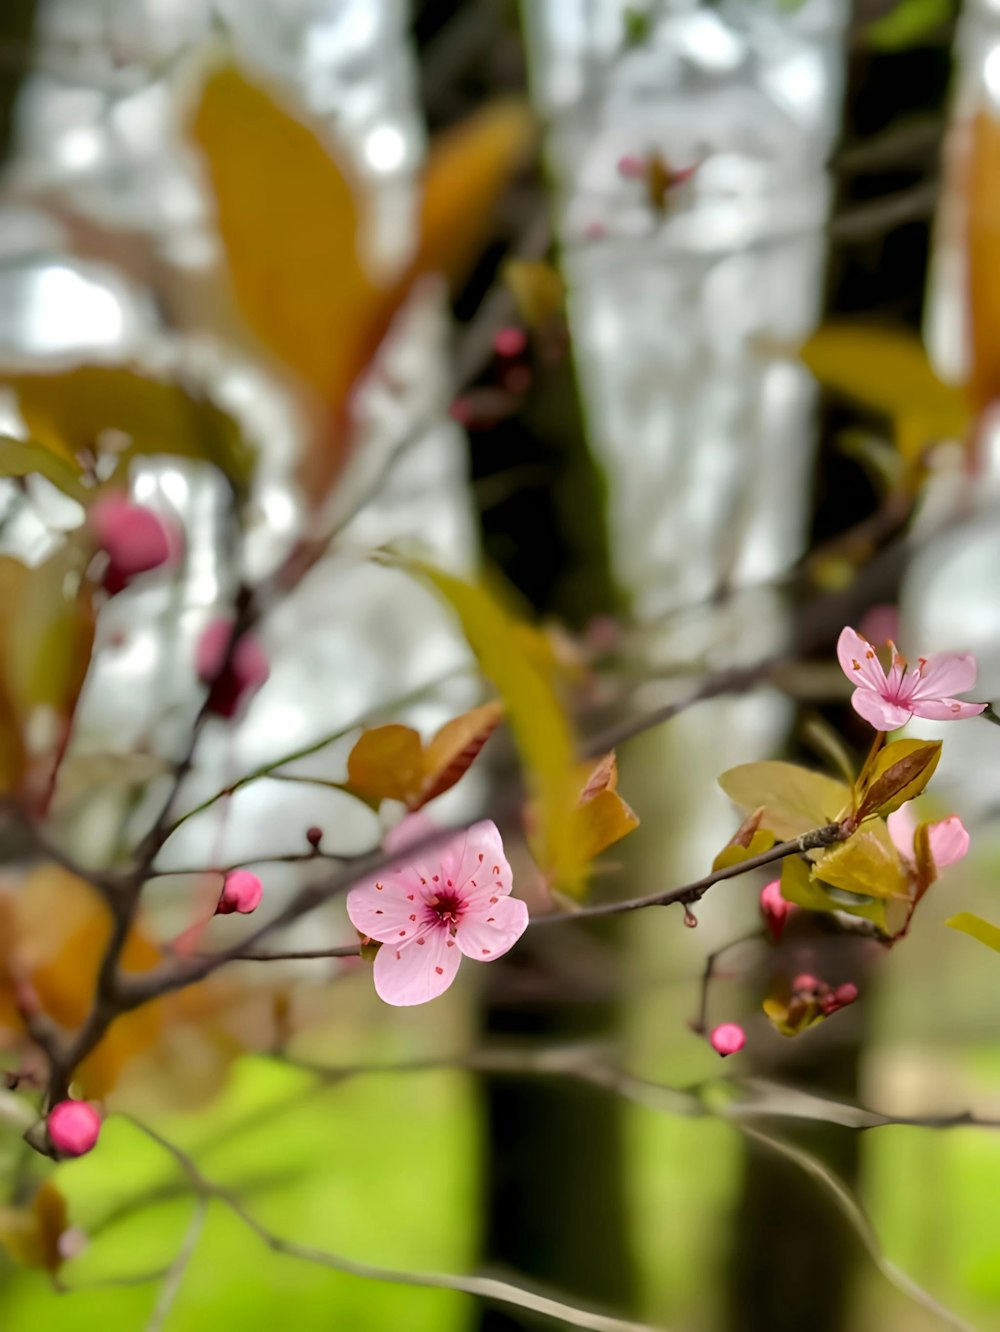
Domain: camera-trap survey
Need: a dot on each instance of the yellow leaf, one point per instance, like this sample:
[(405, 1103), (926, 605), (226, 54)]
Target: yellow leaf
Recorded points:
[(795, 800), (386, 764), (392, 763), (982, 210), (289, 218), (467, 169), (540, 728), (31, 1235), (867, 864), (61, 928), (601, 817), (46, 639), (887, 371), (977, 928), (800, 885), (900, 772), (292, 222), (113, 409)]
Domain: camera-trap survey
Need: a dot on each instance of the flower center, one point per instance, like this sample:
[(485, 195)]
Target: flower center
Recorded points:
[(445, 908)]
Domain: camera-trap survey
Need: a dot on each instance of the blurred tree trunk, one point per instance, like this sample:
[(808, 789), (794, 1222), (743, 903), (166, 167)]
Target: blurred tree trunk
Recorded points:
[(17, 23), (554, 1152), (792, 1255)]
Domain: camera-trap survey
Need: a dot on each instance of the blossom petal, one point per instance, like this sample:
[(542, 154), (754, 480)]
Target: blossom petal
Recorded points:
[(476, 865), (948, 841), (945, 673), (902, 829), (384, 913), (858, 661), (945, 709), (418, 971), (487, 933), (884, 716)]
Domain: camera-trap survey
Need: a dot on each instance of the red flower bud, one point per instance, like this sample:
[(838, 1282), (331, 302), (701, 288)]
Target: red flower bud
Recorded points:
[(727, 1039), (241, 892), (73, 1127), (134, 538), (775, 909), (845, 994), (509, 341)]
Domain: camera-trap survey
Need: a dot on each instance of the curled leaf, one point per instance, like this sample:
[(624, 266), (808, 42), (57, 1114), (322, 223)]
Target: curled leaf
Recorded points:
[(392, 763), (602, 817), (749, 840), (900, 773)]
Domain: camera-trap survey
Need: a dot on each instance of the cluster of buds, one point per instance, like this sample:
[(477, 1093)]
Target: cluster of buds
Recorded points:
[(234, 672), (809, 1001)]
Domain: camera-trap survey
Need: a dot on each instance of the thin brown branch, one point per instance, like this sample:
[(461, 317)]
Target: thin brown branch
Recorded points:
[(482, 1287)]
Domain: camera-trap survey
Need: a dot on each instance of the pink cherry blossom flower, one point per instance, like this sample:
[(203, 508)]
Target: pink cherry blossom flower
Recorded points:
[(73, 1127), (948, 840), (888, 701), (728, 1038), (427, 914), (242, 892)]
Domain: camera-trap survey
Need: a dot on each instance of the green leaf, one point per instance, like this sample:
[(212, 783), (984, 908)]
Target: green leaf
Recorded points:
[(538, 724), (19, 457), (116, 410), (795, 800), (900, 773), (978, 928), (908, 24)]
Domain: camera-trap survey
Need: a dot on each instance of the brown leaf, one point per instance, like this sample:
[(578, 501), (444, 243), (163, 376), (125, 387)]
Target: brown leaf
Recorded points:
[(454, 749), (602, 817), (901, 771), (32, 1235)]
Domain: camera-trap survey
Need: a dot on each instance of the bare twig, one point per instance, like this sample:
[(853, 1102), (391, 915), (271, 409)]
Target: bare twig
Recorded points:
[(177, 1269), (482, 1287)]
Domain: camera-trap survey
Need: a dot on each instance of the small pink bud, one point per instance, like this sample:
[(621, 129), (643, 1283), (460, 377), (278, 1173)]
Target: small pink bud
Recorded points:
[(511, 341), (631, 167), (806, 982), (728, 1039), (73, 1127), (775, 909), (241, 892), (236, 683), (845, 994), (134, 538), (314, 836)]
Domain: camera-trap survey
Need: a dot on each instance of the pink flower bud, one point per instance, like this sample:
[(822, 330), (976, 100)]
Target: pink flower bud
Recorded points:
[(241, 892), (134, 538), (234, 684), (775, 909), (631, 167), (73, 1127), (510, 341), (805, 982), (845, 994), (728, 1039)]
